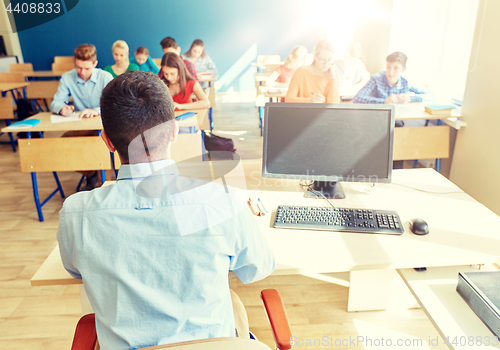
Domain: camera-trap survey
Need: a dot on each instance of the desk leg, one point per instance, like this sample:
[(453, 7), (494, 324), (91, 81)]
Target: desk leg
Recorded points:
[(84, 300), (59, 187), (210, 119), (261, 115), (203, 150), (11, 137), (37, 198), (371, 290), (438, 161)]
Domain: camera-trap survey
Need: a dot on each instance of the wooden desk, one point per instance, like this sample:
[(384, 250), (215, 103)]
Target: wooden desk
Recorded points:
[(6, 108), (473, 239), (43, 74), (210, 79), (81, 153), (436, 292)]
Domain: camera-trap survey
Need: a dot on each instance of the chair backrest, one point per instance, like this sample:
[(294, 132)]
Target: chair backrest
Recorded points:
[(6, 108), (20, 67), (12, 78), (62, 67), (72, 154), (42, 89), (64, 59), (157, 61)]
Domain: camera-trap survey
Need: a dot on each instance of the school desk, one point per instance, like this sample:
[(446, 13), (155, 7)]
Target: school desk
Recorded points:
[(211, 94), (75, 153), (462, 231)]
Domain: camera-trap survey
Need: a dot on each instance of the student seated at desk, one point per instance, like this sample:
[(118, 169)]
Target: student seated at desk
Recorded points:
[(144, 61), (202, 62), (120, 55), (389, 86), (156, 248), (169, 44), (84, 84), (317, 83), (283, 74), (351, 71), (181, 83)]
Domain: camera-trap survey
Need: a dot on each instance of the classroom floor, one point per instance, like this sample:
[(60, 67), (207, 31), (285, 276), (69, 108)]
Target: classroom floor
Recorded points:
[(45, 317)]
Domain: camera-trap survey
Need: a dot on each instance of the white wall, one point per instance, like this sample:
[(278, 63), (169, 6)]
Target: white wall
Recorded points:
[(11, 39), (476, 161)]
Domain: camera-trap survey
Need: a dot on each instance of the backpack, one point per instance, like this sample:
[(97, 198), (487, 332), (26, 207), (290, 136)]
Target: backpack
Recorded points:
[(219, 147), (24, 110)]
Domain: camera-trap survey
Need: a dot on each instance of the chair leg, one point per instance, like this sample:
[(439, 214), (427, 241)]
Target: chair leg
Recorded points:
[(59, 187), (415, 162), (103, 177), (79, 184)]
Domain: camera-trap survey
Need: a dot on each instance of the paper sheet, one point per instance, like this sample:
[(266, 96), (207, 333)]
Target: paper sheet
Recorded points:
[(60, 119)]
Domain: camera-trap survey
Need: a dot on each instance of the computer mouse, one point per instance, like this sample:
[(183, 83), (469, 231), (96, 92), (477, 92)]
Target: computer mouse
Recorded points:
[(419, 227)]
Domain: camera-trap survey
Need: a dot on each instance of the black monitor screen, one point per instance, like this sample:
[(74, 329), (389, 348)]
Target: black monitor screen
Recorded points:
[(328, 142)]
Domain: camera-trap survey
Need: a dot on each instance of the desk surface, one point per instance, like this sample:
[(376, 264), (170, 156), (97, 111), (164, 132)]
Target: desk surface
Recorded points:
[(11, 86), (96, 124), (43, 74), (462, 231)]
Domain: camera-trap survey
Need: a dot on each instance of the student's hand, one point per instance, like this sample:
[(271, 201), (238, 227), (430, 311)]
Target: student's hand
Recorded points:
[(177, 106), (404, 98), (392, 99), (88, 113), (317, 98), (66, 110)]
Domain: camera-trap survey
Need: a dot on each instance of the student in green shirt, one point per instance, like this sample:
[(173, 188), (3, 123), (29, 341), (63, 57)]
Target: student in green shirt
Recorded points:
[(120, 55)]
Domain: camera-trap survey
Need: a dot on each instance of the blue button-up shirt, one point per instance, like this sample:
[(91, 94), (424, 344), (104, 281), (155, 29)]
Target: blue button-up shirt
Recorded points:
[(377, 89), (155, 264), (86, 94)]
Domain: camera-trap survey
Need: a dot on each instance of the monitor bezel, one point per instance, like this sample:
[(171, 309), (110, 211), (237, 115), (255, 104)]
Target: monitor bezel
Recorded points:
[(357, 106)]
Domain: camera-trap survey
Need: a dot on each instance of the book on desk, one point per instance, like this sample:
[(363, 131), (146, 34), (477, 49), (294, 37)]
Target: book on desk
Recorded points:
[(444, 110)]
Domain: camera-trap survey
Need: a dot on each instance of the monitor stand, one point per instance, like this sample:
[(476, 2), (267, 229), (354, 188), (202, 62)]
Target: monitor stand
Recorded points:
[(330, 189)]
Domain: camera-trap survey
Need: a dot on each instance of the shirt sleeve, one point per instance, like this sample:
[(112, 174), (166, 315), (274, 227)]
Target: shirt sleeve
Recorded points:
[(61, 98), (152, 65), (62, 238), (253, 259), (106, 78), (420, 94), (211, 66), (191, 69), (363, 95)]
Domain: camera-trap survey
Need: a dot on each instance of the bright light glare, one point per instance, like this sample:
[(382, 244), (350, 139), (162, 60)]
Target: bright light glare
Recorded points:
[(335, 19)]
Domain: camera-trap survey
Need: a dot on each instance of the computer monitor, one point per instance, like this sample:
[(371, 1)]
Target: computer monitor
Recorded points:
[(328, 143)]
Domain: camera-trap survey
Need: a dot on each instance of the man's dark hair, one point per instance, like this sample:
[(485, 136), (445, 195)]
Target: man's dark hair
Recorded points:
[(137, 104), (397, 56), (168, 42)]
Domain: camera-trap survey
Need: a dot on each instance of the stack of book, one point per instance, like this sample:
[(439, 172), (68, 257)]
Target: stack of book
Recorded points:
[(444, 110)]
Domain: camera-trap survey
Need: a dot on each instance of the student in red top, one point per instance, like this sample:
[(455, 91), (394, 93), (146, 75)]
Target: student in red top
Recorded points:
[(181, 83)]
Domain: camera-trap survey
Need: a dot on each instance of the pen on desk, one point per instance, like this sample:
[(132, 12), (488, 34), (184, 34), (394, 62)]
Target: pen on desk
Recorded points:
[(254, 212), (262, 213), (263, 207)]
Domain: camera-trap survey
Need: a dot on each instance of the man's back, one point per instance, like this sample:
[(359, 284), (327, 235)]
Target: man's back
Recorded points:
[(155, 266)]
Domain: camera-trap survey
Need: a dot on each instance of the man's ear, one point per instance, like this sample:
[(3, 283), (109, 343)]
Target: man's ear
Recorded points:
[(95, 63), (178, 50), (107, 141), (404, 68), (175, 132)]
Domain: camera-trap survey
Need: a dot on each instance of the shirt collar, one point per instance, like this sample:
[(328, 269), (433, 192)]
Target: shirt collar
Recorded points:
[(397, 85), (142, 170), (93, 77)]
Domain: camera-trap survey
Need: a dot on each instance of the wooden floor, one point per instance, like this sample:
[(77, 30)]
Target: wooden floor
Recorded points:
[(38, 318)]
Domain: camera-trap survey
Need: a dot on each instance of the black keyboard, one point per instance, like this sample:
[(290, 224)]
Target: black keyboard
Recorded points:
[(338, 219)]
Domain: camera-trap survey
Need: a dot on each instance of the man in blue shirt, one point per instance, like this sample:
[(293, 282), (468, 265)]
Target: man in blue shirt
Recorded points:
[(84, 84), (154, 250), (389, 86)]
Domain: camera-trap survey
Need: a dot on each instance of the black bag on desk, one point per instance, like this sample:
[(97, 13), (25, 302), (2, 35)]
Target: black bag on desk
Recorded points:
[(220, 147), (25, 110)]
